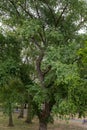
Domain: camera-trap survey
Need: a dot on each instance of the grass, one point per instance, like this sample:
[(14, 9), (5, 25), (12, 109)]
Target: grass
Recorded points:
[(19, 124)]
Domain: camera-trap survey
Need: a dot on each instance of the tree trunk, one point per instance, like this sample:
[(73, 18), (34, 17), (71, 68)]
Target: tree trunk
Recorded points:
[(44, 116), (45, 110), (42, 125), (21, 114), (10, 116), (10, 120), (25, 106), (29, 113)]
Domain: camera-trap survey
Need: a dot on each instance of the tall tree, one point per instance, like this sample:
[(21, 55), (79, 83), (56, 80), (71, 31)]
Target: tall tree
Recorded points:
[(9, 69), (45, 26), (82, 63)]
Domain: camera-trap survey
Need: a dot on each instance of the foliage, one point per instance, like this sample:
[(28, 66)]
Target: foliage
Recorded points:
[(49, 35)]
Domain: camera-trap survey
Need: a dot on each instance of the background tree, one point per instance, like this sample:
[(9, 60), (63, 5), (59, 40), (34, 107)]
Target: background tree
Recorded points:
[(9, 83), (25, 70), (82, 63), (9, 69)]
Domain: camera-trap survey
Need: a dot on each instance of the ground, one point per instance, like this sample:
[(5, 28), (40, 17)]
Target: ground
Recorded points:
[(19, 124)]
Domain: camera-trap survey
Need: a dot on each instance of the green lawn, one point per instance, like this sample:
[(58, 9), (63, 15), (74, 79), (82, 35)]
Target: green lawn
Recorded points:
[(19, 124)]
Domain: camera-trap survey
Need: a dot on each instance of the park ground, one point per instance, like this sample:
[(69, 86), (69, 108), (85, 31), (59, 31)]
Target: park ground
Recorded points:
[(19, 124)]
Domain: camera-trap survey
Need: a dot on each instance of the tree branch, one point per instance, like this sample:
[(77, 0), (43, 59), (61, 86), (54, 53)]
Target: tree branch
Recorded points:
[(36, 43), (27, 12), (14, 7), (37, 11), (41, 36), (38, 68), (47, 70), (81, 22), (51, 11), (57, 21)]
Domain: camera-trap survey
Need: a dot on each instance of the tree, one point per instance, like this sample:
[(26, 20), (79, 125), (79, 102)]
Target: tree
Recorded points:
[(45, 26), (82, 63), (8, 84), (25, 70), (9, 69)]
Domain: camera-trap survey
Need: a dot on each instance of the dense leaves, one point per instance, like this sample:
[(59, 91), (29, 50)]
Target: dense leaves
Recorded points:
[(48, 32)]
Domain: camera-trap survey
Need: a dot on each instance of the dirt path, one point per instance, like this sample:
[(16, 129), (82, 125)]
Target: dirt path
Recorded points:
[(78, 122), (73, 122)]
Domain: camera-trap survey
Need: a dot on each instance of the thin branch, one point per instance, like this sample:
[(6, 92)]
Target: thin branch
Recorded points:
[(41, 36), (59, 18), (14, 7), (36, 43), (47, 70), (81, 22), (37, 11), (38, 14), (25, 4), (27, 12), (51, 11)]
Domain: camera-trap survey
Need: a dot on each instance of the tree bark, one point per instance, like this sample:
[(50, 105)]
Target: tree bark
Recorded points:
[(44, 116), (10, 116), (45, 112), (10, 120), (42, 125)]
